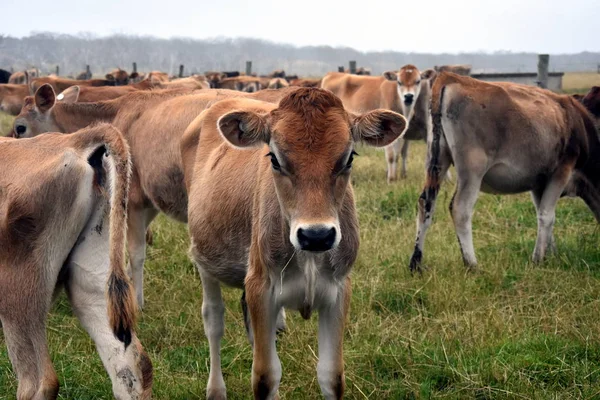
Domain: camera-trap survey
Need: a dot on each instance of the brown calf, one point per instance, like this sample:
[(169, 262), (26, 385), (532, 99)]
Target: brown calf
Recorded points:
[(507, 138), (271, 210), (62, 224), (153, 123)]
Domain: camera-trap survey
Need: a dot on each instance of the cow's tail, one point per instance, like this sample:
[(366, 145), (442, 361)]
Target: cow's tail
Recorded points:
[(121, 299)]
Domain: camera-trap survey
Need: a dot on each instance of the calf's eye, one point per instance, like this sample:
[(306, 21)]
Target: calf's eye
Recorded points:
[(274, 162)]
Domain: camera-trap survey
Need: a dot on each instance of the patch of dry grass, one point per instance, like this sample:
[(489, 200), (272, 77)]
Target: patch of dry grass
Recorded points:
[(580, 82)]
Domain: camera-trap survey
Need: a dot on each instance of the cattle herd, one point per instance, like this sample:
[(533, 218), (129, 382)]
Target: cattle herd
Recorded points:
[(259, 168)]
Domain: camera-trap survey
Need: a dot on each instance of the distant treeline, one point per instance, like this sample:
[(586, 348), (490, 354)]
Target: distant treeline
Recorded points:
[(73, 53)]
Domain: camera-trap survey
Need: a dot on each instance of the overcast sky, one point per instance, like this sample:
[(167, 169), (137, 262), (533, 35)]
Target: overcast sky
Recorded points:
[(401, 25)]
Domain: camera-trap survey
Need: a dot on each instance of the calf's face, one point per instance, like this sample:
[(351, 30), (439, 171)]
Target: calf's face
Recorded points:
[(310, 140), (408, 80), (36, 116)]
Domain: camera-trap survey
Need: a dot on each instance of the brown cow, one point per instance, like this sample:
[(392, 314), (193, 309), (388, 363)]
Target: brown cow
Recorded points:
[(119, 76), (60, 84), (284, 227), (460, 69), (12, 97), (507, 138), (62, 224), (153, 123), (248, 84), (406, 92), (306, 82), (277, 83), (23, 77), (591, 101)]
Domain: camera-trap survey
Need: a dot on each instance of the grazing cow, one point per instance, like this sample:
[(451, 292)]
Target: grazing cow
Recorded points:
[(591, 101), (301, 82), (460, 69), (153, 123), (4, 76), (406, 92), (284, 227), (12, 97), (60, 84), (507, 138), (62, 224), (277, 83), (119, 76)]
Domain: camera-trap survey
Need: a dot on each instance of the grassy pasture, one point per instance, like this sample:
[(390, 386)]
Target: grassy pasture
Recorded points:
[(512, 329)]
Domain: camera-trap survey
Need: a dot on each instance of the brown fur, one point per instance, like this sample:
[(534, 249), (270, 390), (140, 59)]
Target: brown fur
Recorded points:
[(119, 76), (305, 82), (12, 97), (464, 69), (60, 84)]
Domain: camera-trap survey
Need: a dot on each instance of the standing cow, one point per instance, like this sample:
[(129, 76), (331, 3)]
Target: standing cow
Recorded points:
[(507, 138)]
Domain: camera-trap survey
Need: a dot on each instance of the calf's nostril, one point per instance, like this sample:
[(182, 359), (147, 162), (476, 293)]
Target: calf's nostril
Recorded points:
[(316, 239)]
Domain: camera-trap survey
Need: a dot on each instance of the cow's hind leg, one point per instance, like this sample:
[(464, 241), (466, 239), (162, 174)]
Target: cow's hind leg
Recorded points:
[(461, 209), (128, 366), (536, 197), (28, 352), (138, 222), (547, 210), (213, 316), (437, 165)]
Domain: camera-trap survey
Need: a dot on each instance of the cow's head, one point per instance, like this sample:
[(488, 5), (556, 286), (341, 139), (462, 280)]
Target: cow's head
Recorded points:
[(11, 98), (213, 78), (118, 76), (591, 101), (408, 80), (37, 115), (248, 86), (310, 142)]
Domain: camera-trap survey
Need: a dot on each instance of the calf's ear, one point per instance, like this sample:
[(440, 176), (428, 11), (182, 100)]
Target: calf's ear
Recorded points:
[(69, 95), (45, 98), (378, 128), (244, 129), (390, 75)]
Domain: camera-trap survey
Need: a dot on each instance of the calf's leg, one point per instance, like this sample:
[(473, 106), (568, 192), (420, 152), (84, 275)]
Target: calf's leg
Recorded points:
[(266, 366), (461, 209), (138, 220), (404, 154), (391, 155), (28, 352), (330, 368), (213, 316)]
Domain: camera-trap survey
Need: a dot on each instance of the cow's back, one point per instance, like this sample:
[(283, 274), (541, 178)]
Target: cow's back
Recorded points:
[(362, 93)]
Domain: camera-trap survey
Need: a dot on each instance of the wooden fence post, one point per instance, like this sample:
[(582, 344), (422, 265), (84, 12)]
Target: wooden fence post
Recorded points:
[(352, 67), (248, 68), (57, 71), (181, 71), (341, 68), (542, 74), (88, 72), (134, 67)]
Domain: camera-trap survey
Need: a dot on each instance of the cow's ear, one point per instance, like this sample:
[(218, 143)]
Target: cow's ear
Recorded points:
[(45, 98), (69, 95), (378, 128), (428, 74), (244, 129), (390, 75)]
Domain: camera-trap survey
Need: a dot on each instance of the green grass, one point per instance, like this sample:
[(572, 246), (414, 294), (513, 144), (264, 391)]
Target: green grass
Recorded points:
[(6, 122), (510, 330)]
